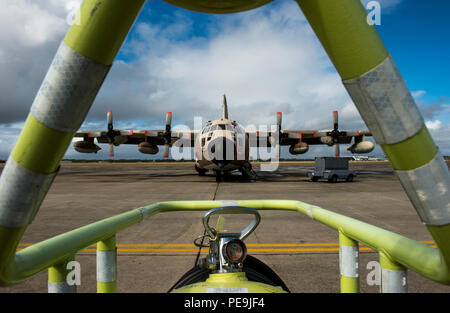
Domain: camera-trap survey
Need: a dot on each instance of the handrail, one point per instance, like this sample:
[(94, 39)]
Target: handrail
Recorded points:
[(368, 72), (409, 253)]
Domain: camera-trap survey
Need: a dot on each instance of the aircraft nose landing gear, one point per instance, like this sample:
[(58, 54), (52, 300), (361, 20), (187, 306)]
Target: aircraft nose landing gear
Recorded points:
[(218, 176)]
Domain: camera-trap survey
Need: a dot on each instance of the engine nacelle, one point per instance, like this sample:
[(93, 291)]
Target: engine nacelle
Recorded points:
[(86, 147), (148, 148), (362, 147), (118, 140), (328, 140), (299, 148)]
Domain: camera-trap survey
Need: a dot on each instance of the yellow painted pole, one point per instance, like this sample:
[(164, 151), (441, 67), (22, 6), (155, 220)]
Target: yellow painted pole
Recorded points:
[(348, 264), (394, 278), (64, 277), (107, 265), (73, 80), (409, 253), (385, 103)]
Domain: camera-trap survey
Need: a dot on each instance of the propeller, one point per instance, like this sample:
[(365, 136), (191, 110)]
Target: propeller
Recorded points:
[(335, 133), (111, 150), (336, 150), (336, 130), (167, 135), (278, 147), (279, 119), (111, 133)]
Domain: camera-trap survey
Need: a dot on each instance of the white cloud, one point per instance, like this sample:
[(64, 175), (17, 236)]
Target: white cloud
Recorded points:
[(264, 60), (29, 24), (441, 137), (434, 125), (29, 36), (418, 93)]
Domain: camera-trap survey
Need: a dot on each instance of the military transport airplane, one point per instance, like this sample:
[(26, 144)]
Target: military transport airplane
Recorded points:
[(222, 145)]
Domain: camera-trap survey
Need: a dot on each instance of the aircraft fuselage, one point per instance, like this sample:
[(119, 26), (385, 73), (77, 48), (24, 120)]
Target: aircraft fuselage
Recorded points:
[(222, 146)]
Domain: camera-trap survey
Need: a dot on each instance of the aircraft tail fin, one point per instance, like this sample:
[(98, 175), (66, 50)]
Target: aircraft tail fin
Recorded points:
[(224, 108)]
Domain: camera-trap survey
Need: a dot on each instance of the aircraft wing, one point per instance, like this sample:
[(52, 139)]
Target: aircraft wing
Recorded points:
[(147, 140), (311, 137), (135, 137), (300, 140), (317, 137)]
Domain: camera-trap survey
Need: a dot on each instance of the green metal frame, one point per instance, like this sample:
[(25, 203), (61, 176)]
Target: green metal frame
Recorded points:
[(353, 46), (417, 256)]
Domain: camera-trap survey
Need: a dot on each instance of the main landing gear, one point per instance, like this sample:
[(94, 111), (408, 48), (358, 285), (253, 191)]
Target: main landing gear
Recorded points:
[(248, 172), (200, 171)]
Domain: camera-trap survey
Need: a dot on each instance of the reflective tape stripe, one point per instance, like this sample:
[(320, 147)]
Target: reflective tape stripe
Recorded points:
[(106, 266), (428, 188), (21, 194), (349, 261), (68, 90), (61, 287), (385, 103), (394, 281)]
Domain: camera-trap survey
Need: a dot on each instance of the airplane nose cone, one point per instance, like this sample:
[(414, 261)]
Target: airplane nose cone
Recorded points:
[(220, 150)]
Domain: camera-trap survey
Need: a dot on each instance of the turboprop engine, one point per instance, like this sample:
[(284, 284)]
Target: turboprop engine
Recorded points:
[(328, 140), (148, 148), (299, 148), (362, 147), (86, 147)]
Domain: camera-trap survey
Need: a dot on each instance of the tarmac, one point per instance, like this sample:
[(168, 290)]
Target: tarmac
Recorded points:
[(155, 253)]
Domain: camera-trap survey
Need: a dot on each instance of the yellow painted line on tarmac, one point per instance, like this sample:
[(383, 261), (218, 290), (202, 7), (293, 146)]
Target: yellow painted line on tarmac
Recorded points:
[(249, 250), (155, 245), (252, 247), (150, 250), (248, 244), (290, 244)]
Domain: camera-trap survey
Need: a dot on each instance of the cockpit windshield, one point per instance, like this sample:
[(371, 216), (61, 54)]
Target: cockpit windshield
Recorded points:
[(208, 129), (219, 127), (239, 129), (226, 127)]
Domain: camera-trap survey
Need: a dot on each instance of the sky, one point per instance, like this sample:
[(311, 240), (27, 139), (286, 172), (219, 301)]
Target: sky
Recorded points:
[(265, 60)]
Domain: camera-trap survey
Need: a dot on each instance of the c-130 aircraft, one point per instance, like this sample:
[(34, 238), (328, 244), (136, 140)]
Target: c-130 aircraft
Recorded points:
[(222, 145)]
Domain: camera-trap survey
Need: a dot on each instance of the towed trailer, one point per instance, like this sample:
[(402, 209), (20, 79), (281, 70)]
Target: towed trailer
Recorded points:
[(331, 169)]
